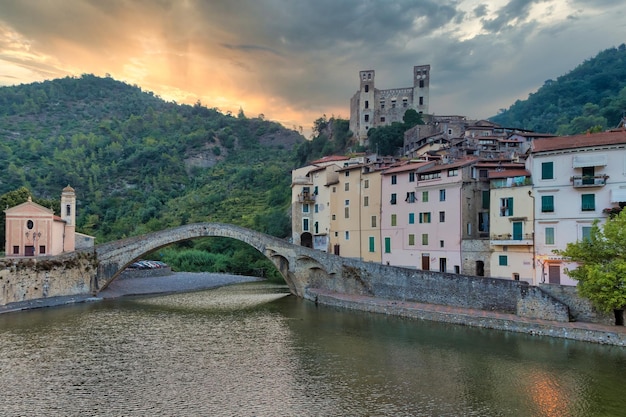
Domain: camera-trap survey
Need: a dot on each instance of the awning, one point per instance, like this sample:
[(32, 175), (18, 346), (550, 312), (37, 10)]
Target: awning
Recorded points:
[(581, 161), (618, 195)]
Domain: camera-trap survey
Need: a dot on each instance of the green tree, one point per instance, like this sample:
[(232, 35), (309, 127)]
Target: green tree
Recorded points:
[(601, 270)]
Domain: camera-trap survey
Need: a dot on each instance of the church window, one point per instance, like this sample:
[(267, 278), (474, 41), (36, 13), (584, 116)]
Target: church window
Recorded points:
[(367, 88)]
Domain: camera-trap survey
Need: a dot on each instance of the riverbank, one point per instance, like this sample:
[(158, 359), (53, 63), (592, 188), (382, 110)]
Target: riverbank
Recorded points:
[(175, 283), (587, 332)]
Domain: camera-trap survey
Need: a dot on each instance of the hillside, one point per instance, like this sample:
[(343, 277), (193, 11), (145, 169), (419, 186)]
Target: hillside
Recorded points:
[(139, 163), (591, 96)]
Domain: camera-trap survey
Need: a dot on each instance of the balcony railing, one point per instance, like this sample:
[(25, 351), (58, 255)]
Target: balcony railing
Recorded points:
[(307, 198), (511, 240), (589, 180)]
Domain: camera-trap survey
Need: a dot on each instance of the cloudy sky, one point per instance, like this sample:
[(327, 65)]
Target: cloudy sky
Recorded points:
[(294, 60)]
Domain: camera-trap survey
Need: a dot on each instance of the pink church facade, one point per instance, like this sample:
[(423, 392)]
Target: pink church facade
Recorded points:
[(34, 230)]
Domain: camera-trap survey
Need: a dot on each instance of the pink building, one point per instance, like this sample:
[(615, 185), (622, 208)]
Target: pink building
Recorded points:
[(34, 230)]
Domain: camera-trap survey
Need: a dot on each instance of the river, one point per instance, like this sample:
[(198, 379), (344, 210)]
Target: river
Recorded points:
[(253, 350)]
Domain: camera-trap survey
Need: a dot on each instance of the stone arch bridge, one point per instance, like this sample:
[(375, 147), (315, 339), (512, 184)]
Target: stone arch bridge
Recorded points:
[(300, 266)]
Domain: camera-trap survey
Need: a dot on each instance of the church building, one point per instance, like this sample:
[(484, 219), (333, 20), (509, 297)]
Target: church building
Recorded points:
[(34, 230)]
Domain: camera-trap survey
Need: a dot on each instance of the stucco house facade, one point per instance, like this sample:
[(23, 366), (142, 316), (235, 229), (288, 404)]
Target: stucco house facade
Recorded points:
[(575, 179)]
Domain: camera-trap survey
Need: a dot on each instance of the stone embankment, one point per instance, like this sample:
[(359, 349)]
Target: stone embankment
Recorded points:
[(588, 332)]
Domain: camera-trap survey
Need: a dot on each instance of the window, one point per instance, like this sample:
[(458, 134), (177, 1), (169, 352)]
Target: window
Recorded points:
[(68, 210), (506, 206), (367, 117), (453, 172), (411, 218), (394, 179), (16, 250), (347, 235), (305, 208), (367, 104), (346, 203), (483, 221), (430, 176), (503, 260), (387, 245), (486, 200), (394, 220), (442, 195), (393, 104), (410, 197), (425, 196), (588, 202), (373, 221), (547, 170), (372, 248), (421, 83), (411, 240), (442, 217), (366, 184), (424, 217), (367, 89), (393, 198), (305, 225), (411, 176), (316, 227), (346, 212), (425, 239), (347, 173), (382, 104), (30, 225), (346, 187), (334, 217), (334, 189), (586, 232), (315, 191), (405, 102), (441, 243), (421, 101), (547, 204), (382, 119), (549, 235), (366, 201)]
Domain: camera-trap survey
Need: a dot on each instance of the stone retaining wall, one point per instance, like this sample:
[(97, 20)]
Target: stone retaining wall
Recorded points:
[(581, 309), (25, 279), (146, 273)]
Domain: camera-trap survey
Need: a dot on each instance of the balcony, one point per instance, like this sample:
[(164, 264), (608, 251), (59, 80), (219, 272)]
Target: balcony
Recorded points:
[(511, 240), (306, 180), (582, 181), (307, 197)]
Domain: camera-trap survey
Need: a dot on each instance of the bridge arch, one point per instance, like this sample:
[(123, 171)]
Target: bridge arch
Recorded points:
[(114, 257)]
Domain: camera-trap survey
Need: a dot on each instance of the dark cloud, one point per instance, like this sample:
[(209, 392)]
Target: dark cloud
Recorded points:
[(515, 10)]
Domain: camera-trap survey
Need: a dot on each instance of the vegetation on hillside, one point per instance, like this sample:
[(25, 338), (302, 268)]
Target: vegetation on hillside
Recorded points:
[(330, 136), (139, 163), (387, 140), (591, 97)]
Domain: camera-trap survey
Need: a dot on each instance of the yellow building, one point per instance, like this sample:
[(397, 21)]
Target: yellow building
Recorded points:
[(512, 225)]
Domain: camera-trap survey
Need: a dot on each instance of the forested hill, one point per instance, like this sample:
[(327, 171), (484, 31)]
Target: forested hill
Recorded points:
[(590, 97), (139, 163)]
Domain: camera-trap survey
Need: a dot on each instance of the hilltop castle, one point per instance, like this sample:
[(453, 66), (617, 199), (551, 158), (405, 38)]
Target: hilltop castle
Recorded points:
[(371, 107)]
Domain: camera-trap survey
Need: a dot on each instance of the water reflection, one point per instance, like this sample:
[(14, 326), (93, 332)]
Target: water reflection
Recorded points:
[(251, 350)]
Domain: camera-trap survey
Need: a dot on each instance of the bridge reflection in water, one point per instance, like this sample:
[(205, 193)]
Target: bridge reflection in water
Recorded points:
[(251, 350)]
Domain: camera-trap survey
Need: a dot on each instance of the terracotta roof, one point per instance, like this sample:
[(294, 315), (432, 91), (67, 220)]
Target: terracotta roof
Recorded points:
[(411, 166), (508, 173), (456, 164), (613, 137), (330, 158)]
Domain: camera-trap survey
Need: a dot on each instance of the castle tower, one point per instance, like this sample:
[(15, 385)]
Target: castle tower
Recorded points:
[(421, 84), (362, 106)]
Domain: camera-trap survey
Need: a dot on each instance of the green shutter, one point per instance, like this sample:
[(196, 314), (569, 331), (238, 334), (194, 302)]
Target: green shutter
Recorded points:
[(547, 203), (372, 248), (547, 170), (588, 202), (502, 260), (387, 245), (486, 200)]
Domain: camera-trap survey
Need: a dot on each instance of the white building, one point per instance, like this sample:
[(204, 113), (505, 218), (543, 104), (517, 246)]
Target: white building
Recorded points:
[(575, 178)]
